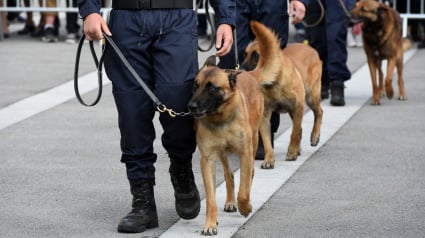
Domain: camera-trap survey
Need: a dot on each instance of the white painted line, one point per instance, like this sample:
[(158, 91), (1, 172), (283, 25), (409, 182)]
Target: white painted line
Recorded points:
[(30, 106), (267, 182)]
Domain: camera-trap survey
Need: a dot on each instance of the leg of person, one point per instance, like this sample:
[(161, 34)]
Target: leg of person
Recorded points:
[(135, 115), (336, 37), (176, 64), (72, 26), (317, 39), (29, 24)]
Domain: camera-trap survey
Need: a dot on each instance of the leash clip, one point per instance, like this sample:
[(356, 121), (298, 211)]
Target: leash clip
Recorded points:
[(163, 108)]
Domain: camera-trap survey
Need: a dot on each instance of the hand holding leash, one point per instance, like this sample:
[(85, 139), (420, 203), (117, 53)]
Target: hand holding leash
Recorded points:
[(95, 26), (297, 11), (224, 39)]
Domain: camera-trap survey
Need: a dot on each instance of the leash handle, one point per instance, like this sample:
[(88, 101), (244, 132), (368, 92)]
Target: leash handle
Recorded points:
[(159, 105), (98, 66)]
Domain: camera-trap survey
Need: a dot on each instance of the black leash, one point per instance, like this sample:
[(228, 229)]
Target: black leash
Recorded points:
[(159, 105), (210, 23), (99, 78)]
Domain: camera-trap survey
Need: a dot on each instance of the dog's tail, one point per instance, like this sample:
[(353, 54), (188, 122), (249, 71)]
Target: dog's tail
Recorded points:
[(270, 52)]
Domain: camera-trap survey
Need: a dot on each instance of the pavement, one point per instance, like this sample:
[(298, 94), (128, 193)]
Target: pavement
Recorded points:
[(60, 174)]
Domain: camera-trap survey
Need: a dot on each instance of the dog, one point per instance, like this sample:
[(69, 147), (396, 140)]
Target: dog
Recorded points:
[(288, 78), (382, 40), (228, 108)]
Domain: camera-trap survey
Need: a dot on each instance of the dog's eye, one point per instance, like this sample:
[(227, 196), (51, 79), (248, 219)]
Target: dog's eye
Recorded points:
[(212, 89), (195, 86)]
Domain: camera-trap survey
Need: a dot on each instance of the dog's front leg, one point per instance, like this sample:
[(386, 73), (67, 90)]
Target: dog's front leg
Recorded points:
[(246, 170), (208, 169), (230, 205), (400, 81), (389, 77), (376, 97)]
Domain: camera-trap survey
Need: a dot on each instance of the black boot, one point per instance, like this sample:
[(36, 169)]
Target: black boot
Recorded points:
[(324, 93), (337, 94), (259, 155), (144, 213), (188, 203)]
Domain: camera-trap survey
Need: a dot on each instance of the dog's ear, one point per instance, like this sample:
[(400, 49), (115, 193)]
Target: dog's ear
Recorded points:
[(210, 61), (232, 76)]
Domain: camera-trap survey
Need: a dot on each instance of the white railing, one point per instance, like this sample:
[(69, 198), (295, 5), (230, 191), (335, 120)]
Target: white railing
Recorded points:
[(408, 14), (61, 6)]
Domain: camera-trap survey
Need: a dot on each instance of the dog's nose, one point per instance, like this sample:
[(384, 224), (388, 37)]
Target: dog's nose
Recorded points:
[(192, 106)]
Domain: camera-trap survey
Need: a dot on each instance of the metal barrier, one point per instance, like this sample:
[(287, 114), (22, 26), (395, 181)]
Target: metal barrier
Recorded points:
[(409, 12), (42, 6), (61, 6)]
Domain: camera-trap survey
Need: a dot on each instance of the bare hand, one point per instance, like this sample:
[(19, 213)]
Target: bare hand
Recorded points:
[(297, 11), (94, 24), (224, 39)]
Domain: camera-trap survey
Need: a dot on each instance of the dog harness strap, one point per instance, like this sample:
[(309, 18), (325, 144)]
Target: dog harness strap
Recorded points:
[(151, 4)]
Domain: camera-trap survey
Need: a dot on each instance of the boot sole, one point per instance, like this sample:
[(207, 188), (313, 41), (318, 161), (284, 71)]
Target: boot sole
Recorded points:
[(127, 229)]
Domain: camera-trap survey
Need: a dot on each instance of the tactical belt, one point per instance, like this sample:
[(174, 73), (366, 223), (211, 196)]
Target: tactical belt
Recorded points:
[(151, 4)]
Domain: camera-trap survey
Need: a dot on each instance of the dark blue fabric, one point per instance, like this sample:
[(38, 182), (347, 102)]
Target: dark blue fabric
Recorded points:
[(329, 38), (273, 14), (162, 47)]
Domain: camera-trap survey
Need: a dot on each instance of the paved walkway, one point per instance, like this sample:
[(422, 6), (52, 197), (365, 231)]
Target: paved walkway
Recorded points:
[(60, 174)]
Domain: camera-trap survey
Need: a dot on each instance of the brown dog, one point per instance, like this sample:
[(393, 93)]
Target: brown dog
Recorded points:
[(382, 40), (288, 78), (228, 106)]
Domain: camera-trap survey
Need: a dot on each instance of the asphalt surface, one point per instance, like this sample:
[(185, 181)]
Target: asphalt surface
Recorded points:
[(60, 174)]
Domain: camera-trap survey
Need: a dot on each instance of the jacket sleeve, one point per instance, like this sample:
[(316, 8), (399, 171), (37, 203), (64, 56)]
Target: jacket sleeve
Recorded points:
[(86, 7), (225, 11)]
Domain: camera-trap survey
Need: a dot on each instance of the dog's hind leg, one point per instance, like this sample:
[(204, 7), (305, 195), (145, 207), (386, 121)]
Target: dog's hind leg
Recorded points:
[(313, 102), (230, 204), (389, 78), (268, 162), (294, 148), (318, 114)]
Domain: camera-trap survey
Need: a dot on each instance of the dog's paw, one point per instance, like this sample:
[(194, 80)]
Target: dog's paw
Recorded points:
[(389, 91), (375, 103), (402, 98), (230, 207), (210, 230), (245, 208), (291, 157), (315, 140), (267, 165)]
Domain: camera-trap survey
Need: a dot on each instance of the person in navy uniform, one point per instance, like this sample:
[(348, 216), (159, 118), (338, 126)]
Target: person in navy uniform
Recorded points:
[(159, 39), (329, 38)]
